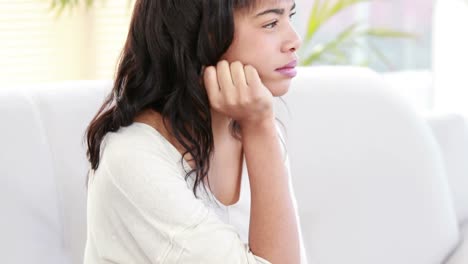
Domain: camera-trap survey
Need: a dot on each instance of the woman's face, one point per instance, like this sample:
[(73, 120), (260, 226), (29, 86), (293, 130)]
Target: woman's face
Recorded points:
[(265, 38)]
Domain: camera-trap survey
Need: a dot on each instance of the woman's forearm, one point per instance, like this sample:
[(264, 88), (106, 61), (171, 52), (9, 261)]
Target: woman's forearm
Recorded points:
[(273, 232), (226, 164)]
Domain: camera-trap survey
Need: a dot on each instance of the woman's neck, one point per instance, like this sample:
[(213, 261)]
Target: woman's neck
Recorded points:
[(156, 120)]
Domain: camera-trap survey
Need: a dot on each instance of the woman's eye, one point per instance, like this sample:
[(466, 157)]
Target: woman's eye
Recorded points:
[(275, 23), (292, 14), (271, 25)]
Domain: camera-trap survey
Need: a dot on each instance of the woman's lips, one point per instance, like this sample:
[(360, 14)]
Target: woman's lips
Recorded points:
[(289, 69), (289, 72)]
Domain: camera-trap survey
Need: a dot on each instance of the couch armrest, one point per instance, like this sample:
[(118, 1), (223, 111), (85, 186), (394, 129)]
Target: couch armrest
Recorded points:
[(451, 133), (460, 254)]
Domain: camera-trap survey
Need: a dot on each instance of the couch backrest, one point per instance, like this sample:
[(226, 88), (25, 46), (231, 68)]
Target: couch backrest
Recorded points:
[(45, 164), (66, 110), (31, 223), (367, 171)]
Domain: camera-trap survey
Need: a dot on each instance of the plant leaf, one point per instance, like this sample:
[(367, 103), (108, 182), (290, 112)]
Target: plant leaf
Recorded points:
[(381, 56), (341, 5), (347, 33), (389, 33), (314, 23), (322, 12)]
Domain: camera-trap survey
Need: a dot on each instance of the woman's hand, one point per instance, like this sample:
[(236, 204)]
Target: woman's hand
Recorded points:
[(225, 172), (236, 91)]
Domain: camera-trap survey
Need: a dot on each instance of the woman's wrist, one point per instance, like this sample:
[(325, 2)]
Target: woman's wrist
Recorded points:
[(258, 126), (219, 121)]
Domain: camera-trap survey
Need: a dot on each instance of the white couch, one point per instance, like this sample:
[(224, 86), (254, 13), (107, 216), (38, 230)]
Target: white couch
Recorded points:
[(376, 181)]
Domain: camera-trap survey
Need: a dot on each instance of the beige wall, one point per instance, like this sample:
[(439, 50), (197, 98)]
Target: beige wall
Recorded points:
[(36, 45)]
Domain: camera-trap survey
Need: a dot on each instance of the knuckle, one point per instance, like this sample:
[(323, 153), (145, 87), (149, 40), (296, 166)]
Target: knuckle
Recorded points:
[(222, 63), (256, 98), (230, 102), (249, 68), (221, 105), (245, 101), (214, 104), (236, 65), (207, 73)]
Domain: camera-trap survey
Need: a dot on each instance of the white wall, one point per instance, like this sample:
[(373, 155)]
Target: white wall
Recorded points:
[(303, 8), (450, 56), (38, 46)]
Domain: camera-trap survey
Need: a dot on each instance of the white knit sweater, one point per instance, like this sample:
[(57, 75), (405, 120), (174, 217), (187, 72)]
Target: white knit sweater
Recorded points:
[(140, 208)]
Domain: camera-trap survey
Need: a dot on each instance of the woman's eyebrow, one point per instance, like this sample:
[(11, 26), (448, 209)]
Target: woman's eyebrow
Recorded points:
[(278, 11)]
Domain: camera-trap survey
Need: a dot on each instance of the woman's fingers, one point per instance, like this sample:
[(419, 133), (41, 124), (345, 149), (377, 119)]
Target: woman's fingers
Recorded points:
[(211, 85), (237, 74), (239, 80), (237, 91), (223, 72), (228, 89), (251, 76)]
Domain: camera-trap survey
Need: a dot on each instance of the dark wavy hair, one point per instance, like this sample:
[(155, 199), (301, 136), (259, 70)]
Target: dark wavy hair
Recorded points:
[(168, 43)]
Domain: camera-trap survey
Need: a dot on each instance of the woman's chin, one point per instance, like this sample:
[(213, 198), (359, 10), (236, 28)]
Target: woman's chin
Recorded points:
[(279, 88)]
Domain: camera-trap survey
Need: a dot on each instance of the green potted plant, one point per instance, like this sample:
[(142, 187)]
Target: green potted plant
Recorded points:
[(334, 50)]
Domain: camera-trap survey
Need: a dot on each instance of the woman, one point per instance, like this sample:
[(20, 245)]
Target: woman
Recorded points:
[(192, 98)]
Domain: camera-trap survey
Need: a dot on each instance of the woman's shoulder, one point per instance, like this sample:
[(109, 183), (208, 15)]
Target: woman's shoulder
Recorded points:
[(135, 158), (134, 132), (138, 145), (135, 137)]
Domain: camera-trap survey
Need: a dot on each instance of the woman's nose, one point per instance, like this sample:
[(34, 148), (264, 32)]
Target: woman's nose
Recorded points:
[(294, 41)]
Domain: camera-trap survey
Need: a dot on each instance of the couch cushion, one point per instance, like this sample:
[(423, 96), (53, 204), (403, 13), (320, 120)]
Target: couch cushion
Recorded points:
[(30, 227), (65, 111), (368, 174)]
